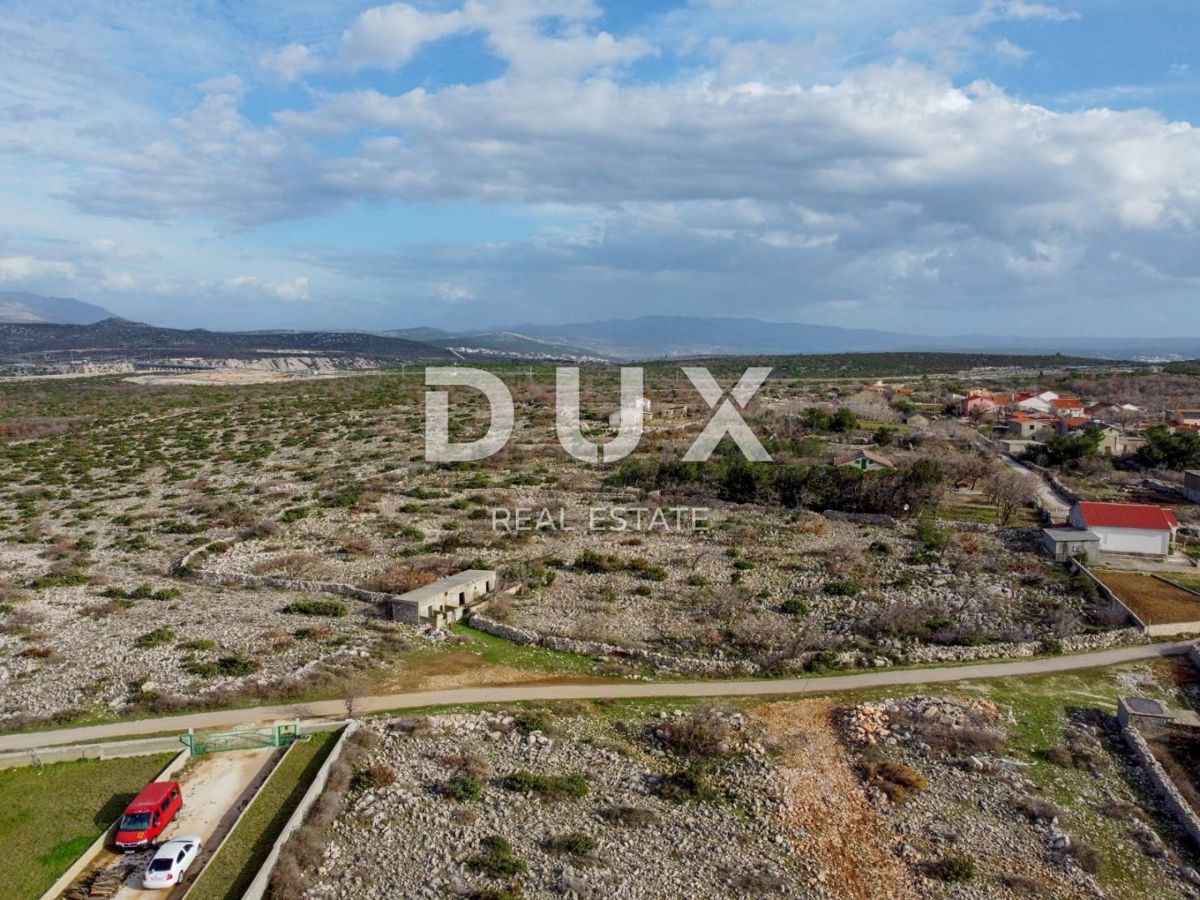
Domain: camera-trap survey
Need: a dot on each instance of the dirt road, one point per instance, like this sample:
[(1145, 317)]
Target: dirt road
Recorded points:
[(215, 789), (336, 709), (824, 799)]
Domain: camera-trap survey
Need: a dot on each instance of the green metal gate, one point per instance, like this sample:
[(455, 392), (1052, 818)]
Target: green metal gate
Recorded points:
[(250, 739)]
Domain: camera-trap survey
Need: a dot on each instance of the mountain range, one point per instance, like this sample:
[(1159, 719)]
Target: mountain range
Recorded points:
[(16, 306), (56, 324)]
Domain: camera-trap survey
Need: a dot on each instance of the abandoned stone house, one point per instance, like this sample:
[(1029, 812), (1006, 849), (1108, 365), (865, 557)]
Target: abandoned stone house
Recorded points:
[(444, 601)]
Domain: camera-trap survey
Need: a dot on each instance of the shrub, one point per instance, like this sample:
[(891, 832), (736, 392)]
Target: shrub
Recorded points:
[(707, 732), (372, 777), (954, 868), (842, 587), (687, 785), (463, 788), (65, 579), (549, 787), (156, 638), (575, 843), (593, 563), (640, 567), (333, 608), (168, 594), (531, 721), (496, 860), (234, 666), (794, 606)]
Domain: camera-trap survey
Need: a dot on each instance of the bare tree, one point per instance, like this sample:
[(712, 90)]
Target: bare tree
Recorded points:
[(1009, 490)]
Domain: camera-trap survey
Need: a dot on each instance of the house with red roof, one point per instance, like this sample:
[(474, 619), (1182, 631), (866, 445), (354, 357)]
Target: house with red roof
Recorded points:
[(1134, 528)]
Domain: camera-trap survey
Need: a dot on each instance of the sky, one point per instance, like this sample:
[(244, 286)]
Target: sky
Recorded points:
[(936, 167)]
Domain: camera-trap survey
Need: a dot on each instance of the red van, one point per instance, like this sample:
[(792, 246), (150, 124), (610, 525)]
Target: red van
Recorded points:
[(149, 813)]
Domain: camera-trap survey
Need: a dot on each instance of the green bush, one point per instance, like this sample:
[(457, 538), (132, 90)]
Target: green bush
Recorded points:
[(794, 606), (496, 860), (333, 608), (687, 785), (575, 843), (463, 788), (955, 868), (548, 787), (842, 587), (156, 638)]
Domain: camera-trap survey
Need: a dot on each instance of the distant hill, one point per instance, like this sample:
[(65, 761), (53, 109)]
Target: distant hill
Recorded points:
[(16, 306), (662, 336), (659, 337), (505, 344), (115, 338)]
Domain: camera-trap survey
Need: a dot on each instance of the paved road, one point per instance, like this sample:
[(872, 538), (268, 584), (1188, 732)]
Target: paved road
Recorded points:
[(333, 709), (1053, 502)]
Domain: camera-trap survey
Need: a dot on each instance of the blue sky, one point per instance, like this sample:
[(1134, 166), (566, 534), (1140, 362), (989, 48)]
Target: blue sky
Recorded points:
[(941, 167)]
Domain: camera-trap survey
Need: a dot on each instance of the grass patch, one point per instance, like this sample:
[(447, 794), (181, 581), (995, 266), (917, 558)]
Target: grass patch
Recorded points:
[(49, 816), (500, 652), (230, 872)]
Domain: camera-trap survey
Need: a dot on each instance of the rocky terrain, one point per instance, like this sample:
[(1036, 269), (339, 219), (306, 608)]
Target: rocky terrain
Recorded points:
[(411, 828)]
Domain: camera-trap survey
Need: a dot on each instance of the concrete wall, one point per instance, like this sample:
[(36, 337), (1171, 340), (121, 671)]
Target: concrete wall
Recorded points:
[(258, 887), (1080, 569), (85, 859), (68, 752), (1162, 784)]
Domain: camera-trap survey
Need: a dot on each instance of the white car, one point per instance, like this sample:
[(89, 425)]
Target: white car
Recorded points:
[(170, 861)]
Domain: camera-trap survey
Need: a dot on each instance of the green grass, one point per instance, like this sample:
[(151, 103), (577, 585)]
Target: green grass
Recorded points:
[(243, 851), (49, 816), (501, 652)]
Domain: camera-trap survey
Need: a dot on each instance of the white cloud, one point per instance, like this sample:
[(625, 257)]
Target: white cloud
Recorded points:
[(387, 36), (289, 289), (290, 62), (22, 268)]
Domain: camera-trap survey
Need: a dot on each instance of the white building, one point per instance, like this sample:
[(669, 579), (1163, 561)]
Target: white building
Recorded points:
[(1135, 528)]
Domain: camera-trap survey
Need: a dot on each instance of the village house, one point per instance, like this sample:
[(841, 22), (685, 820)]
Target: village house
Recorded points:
[(865, 461), (1190, 417), (1023, 427), (444, 601), (1133, 528)]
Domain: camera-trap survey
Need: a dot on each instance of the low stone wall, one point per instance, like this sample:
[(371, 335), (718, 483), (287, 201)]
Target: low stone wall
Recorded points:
[(258, 887), (294, 584), (1163, 786), (1054, 481), (716, 668), (85, 859), (835, 515), (1084, 643), (705, 667)]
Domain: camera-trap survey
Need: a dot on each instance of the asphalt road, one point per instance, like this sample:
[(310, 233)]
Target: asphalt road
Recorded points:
[(1053, 502), (331, 709)]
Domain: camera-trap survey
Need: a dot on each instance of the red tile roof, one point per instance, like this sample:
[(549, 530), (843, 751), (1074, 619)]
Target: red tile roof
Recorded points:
[(1075, 422), (1066, 403), (1127, 515)]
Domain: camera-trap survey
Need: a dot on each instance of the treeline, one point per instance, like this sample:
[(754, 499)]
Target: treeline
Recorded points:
[(795, 486)]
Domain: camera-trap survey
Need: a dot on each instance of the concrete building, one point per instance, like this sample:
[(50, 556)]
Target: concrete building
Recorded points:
[(1134, 528), (1191, 485), (1063, 544), (444, 601), (1146, 711)]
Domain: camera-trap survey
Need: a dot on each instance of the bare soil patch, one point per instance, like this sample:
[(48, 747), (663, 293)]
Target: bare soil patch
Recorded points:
[(1156, 602), (847, 838)]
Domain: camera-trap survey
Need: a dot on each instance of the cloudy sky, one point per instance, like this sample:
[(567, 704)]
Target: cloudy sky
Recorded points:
[(938, 166)]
